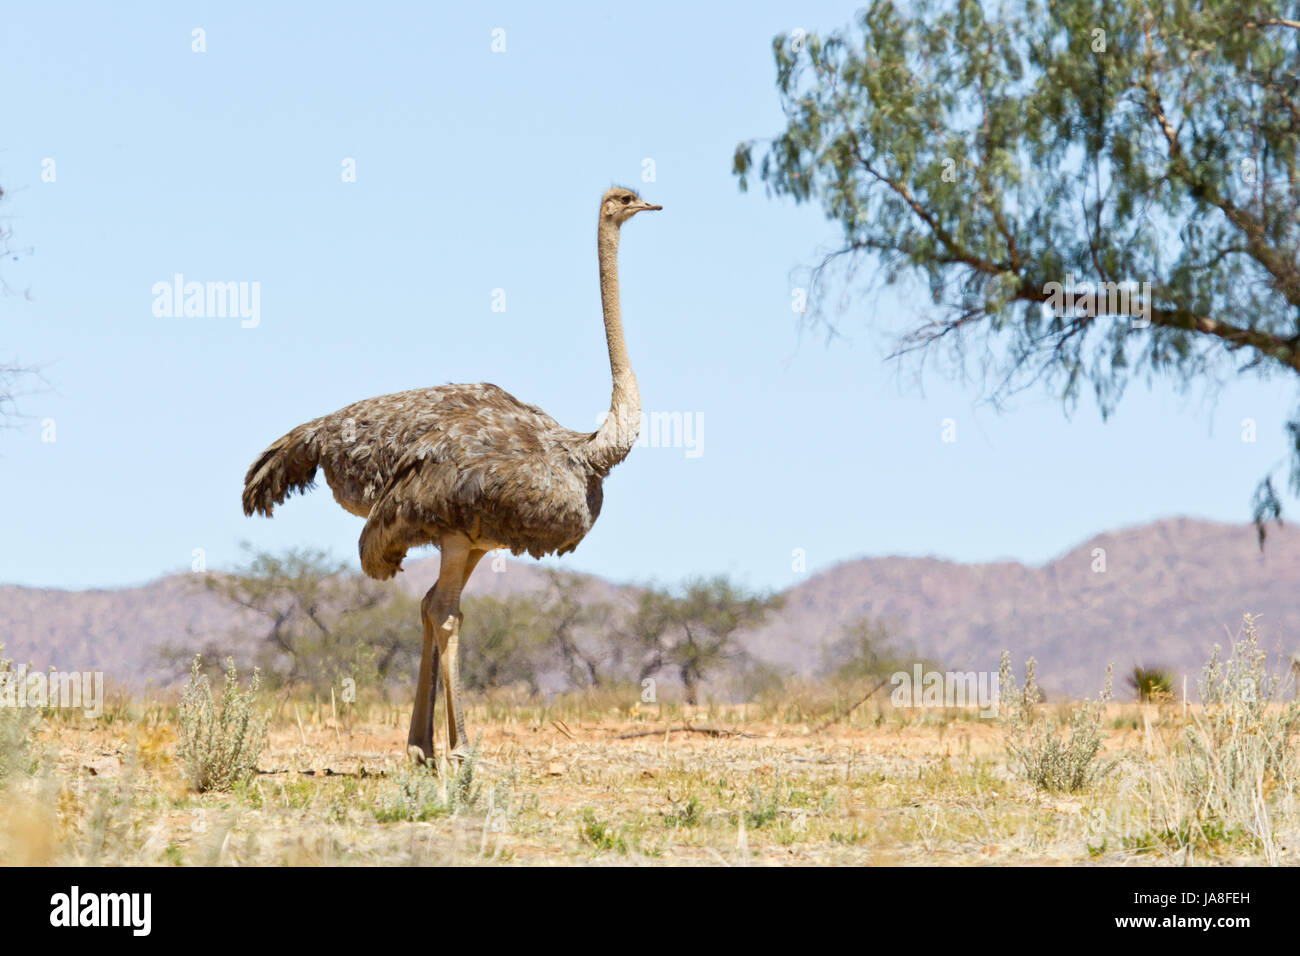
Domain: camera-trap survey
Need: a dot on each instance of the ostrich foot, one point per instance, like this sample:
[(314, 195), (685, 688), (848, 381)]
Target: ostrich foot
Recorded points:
[(421, 757)]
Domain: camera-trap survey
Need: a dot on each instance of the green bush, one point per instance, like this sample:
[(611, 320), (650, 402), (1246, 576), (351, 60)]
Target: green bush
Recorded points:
[(219, 746), (600, 835), (418, 793), (1151, 683), (1052, 754), (1228, 780), (1241, 745)]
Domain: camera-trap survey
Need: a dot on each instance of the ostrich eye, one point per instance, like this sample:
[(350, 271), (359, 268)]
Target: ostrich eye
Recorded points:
[(627, 199)]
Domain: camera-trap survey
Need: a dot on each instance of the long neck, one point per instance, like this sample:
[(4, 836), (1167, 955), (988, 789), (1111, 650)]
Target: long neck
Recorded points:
[(617, 434)]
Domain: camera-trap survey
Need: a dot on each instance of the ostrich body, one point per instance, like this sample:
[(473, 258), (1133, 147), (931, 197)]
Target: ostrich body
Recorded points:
[(468, 468)]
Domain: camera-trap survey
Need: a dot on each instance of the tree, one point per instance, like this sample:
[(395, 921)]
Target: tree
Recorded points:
[(566, 615), (695, 632), (321, 623), (525, 639), (12, 377), (504, 641), (864, 651), (1010, 156)]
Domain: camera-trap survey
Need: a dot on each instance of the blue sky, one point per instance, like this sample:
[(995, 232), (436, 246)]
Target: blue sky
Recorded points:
[(478, 171)]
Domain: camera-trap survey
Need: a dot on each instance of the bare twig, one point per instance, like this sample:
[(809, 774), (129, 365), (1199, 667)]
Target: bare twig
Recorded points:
[(687, 728)]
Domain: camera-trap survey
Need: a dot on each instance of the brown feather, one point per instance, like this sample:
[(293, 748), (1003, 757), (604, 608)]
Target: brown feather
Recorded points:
[(471, 459)]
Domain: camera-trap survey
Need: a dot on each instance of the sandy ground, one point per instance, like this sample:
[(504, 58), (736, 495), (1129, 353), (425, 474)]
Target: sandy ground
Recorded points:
[(883, 789)]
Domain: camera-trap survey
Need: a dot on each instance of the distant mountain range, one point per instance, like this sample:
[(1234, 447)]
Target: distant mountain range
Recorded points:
[(1168, 592)]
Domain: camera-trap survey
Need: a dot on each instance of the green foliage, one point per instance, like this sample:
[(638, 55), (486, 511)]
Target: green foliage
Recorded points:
[(418, 793), (321, 623), (694, 632), (1151, 684), (1212, 834), (524, 639), (988, 150), (414, 796), (219, 745), (763, 808), (504, 641), (598, 835), (749, 678), (324, 624), (570, 612), (1053, 755), (689, 814), (864, 651)]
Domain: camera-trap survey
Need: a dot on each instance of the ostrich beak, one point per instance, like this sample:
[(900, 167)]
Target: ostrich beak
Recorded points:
[(647, 206)]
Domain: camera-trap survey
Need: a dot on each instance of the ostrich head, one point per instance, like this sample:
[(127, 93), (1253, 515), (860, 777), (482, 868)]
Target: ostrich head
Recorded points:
[(620, 204)]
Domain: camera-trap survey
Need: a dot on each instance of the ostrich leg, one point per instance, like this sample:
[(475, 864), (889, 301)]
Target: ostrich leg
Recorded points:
[(435, 609), (448, 647), (428, 738)]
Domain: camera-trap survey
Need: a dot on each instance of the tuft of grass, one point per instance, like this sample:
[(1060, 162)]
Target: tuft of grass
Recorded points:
[(219, 745), (1212, 834), (599, 835), (766, 808), (689, 814), (1052, 754)]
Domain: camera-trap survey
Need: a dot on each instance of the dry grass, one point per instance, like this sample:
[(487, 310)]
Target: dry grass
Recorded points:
[(553, 785)]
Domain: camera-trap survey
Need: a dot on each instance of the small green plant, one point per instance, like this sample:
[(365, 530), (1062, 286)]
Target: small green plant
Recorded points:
[(763, 809), (219, 745), (1211, 834), (1052, 754), (600, 835), (419, 794), (689, 814), (414, 796), (343, 798), (463, 791), (1151, 684)]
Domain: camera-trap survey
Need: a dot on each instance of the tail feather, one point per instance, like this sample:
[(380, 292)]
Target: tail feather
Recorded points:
[(289, 465)]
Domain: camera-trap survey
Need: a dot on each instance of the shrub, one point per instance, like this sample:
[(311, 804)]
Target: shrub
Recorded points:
[(1052, 754), (1241, 744), (219, 746), (419, 794), (16, 725), (1227, 779), (1151, 683)]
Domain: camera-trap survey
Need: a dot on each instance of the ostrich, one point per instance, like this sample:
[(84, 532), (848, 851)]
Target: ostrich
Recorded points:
[(468, 468)]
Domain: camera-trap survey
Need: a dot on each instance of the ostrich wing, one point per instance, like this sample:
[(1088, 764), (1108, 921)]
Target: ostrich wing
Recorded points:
[(500, 472)]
